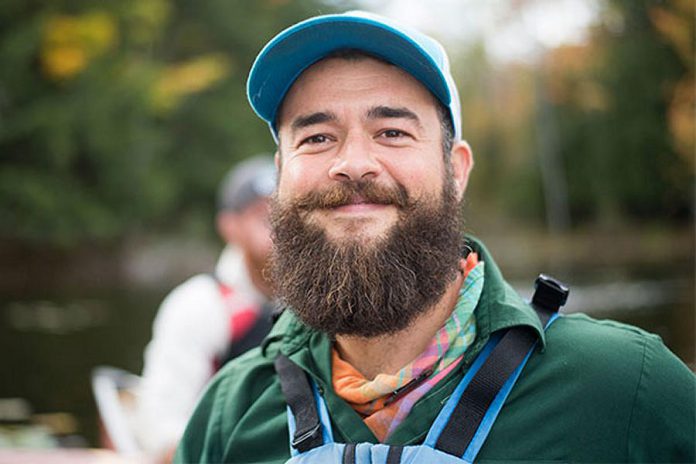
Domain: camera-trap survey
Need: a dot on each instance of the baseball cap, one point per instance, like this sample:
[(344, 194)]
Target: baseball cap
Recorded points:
[(298, 47), (251, 179)]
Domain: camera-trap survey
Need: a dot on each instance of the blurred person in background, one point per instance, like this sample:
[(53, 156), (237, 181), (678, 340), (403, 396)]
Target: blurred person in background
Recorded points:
[(210, 318)]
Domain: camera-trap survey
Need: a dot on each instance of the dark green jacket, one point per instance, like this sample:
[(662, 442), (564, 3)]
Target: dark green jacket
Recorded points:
[(594, 391)]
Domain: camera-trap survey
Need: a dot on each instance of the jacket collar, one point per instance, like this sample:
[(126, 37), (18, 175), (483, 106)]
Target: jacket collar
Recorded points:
[(500, 306)]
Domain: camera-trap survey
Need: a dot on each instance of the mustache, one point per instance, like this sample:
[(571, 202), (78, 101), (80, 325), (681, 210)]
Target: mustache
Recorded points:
[(350, 192)]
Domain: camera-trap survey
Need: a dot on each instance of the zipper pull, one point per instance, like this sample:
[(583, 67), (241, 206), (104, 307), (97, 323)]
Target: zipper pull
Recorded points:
[(401, 391)]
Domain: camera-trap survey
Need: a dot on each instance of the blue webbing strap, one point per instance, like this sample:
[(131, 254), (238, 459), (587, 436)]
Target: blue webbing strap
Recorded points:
[(443, 417), (492, 414), (466, 425), (481, 391)]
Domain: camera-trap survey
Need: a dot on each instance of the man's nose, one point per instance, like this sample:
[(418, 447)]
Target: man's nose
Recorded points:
[(355, 161)]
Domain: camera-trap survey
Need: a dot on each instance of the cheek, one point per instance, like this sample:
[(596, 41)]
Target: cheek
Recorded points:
[(297, 177), (421, 178)]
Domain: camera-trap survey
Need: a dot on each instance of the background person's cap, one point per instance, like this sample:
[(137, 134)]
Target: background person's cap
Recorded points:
[(296, 48), (251, 179)]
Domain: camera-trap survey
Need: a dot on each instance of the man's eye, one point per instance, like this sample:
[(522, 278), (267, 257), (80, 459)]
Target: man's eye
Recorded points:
[(315, 139), (393, 133)]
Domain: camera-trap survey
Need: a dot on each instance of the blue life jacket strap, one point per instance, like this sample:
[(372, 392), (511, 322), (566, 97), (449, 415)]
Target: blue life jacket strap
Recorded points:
[(498, 372), (483, 388)]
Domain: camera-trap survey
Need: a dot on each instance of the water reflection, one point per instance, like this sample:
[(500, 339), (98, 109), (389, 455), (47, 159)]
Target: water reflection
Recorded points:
[(50, 345), (53, 318), (614, 298)]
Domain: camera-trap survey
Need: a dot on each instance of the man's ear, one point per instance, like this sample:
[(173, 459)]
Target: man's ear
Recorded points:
[(462, 161), (228, 226), (276, 159)]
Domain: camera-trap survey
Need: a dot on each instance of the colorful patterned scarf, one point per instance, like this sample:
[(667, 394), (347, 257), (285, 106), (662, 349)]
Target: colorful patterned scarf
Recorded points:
[(386, 400)]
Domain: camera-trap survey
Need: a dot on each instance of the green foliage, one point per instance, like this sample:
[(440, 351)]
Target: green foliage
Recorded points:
[(124, 115), (605, 110), (620, 159)]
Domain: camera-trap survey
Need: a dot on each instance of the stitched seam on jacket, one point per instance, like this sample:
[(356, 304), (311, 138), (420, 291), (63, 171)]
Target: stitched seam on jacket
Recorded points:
[(635, 398)]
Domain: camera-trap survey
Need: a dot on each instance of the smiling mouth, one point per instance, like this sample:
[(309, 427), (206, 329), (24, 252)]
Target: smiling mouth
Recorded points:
[(357, 202), (360, 207)]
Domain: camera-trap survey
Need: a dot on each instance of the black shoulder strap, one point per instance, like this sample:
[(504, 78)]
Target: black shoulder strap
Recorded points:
[(502, 362), (298, 394)]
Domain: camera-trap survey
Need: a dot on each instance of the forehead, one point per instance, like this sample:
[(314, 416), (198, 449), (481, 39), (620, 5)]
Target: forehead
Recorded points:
[(351, 80)]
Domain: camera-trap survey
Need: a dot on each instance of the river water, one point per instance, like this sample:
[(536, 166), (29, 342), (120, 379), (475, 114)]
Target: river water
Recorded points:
[(51, 342)]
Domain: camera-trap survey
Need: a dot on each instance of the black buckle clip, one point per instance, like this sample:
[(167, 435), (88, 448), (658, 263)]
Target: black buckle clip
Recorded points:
[(550, 293), (299, 442)]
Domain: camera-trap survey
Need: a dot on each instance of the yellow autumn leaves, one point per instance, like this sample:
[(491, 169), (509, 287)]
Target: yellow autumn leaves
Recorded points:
[(71, 42), (178, 81), (677, 27)]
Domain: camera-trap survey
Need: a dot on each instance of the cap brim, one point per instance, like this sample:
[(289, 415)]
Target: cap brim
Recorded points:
[(283, 59)]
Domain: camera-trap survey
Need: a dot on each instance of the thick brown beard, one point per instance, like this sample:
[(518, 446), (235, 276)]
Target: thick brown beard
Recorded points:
[(360, 288)]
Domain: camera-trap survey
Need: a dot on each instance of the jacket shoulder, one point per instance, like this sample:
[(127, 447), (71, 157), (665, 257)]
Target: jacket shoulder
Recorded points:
[(585, 333), (614, 385), (606, 355), (240, 416)]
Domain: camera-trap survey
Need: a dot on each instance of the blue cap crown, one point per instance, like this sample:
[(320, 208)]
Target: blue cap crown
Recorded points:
[(298, 47)]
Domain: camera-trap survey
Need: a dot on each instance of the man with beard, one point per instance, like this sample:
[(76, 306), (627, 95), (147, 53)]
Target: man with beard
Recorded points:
[(401, 342)]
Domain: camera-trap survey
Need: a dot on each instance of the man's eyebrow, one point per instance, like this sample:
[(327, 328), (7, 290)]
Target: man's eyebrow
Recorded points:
[(311, 119), (380, 112)]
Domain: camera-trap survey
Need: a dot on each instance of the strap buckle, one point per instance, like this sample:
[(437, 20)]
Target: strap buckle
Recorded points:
[(549, 293), (300, 440)]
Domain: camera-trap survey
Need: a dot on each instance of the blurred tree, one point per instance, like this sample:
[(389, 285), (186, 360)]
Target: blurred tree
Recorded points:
[(498, 122), (675, 23), (123, 115), (120, 116), (615, 113), (614, 98)]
